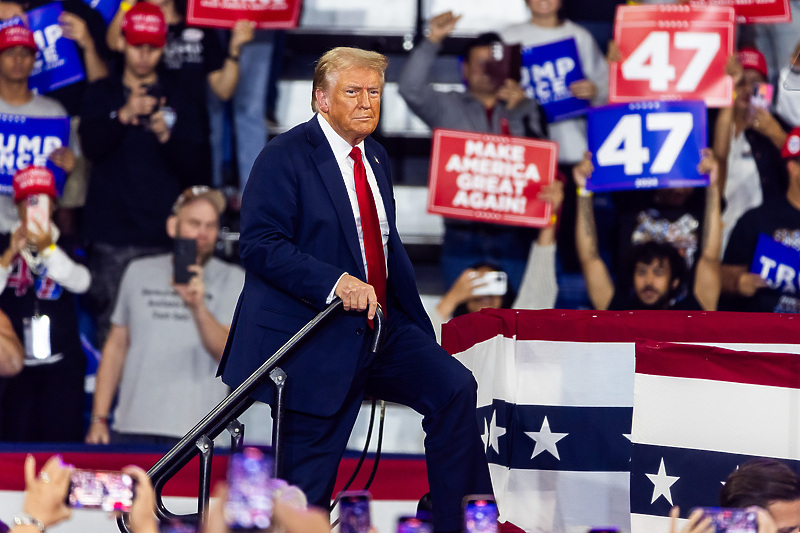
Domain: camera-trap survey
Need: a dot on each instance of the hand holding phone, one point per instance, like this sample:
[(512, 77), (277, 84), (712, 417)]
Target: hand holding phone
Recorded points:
[(493, 283), (101, 489)]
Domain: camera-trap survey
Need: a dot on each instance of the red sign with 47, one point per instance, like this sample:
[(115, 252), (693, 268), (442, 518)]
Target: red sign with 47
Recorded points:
[(673, 53)]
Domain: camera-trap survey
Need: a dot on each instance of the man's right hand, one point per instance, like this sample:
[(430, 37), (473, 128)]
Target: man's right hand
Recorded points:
[(98, 433), (139, 104), (356, 295), (441, 25)]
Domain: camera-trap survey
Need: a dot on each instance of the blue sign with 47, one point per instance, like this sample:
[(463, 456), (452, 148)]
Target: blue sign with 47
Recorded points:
[(647, 145)]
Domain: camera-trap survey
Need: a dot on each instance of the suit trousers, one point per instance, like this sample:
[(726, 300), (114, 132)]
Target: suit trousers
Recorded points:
[(411, 369)]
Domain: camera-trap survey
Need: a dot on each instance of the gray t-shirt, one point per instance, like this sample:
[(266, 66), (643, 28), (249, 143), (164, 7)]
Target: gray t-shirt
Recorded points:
[(168, 382), (39, 106), (570, 133)]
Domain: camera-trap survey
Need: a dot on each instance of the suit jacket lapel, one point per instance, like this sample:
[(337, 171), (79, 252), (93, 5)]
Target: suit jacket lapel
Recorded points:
[(332, 178), (383, 182)]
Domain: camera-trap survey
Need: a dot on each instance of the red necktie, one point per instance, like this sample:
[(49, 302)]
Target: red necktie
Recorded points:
[(370, 230)]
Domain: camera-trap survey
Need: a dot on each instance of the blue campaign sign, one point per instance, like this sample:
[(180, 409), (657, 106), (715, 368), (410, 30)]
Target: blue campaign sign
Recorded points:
[(26, 141), (106, 8), (547, 72), (777, 263), (647, 145), (57, 63)]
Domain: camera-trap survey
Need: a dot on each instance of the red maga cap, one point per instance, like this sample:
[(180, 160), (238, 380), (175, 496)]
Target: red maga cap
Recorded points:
[(791, 147), (33, 180), (12, 36), (144, 24), (752, 58)]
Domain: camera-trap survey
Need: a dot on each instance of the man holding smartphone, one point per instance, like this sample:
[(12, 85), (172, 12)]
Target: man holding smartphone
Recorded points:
[(166, 337), (135, 130)]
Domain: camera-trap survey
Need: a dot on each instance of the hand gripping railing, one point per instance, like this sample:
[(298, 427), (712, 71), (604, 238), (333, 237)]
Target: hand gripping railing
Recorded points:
[(200, 440)]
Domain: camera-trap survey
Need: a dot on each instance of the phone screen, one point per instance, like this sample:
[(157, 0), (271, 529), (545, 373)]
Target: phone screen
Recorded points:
[(732, 520), (480, 514), (412, 524), (176, 526), (37, 212), (249, 504), (762, 95), (354, 514), (100, 489)]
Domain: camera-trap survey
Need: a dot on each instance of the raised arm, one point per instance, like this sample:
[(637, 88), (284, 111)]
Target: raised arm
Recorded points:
[(539, 288), (413, 84), (707, 280), (595, 272)]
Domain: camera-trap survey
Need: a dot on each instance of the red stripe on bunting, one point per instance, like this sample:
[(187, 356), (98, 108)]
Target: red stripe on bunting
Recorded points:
[(397, 479), (718, 364), (620, 326)]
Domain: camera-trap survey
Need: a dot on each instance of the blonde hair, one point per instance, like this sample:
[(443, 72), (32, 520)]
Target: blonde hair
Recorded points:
[(343, 58)]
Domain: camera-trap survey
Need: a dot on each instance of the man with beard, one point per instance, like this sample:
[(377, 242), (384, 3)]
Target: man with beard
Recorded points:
[(166, 338), (656, 273)]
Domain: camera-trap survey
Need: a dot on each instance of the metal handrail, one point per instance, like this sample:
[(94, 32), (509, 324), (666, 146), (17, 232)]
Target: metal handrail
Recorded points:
[(200, 439)]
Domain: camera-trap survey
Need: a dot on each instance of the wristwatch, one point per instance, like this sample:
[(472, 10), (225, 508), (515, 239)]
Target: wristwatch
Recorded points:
[(27, 520)]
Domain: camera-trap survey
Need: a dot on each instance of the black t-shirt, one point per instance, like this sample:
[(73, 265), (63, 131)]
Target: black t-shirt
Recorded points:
[(135, 179), (781, 221), (640, 218), (190, 55), (27, 293)]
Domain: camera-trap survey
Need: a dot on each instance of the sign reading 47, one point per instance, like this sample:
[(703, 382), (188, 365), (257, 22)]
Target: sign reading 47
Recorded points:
[(673, 53), (647, 145)]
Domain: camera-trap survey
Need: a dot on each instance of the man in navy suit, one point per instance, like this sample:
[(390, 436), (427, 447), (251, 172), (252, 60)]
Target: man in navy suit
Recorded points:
[(302, 243)]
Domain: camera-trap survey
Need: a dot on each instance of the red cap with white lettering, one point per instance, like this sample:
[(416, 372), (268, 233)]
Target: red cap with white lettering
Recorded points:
[(791, 147), (753, 59), (12, 36), (33, 180), (144, 24)]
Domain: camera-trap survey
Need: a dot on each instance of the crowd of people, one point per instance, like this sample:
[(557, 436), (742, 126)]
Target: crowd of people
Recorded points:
[(140, 164)]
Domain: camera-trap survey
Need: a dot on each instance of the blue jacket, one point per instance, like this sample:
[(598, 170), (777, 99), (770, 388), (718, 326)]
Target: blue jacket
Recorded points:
[(298, 236)]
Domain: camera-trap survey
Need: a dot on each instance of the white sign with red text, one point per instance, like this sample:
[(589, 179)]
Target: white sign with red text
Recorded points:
[(673, 52), (490, 178)]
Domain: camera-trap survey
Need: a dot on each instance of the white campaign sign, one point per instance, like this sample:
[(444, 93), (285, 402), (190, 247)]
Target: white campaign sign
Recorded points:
[(651, 59), (624, 147)]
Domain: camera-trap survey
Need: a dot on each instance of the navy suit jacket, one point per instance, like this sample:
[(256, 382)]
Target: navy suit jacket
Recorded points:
[(298, 236)]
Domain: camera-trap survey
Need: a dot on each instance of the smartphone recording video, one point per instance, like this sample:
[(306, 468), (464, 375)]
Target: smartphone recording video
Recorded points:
[(100, 489), (731, 520), (493, 283), (354, 514), (37, 213), (480, 514), (249, 505), (412, 524)]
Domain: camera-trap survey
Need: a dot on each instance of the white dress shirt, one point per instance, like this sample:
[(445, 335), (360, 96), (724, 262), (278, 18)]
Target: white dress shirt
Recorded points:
[(341, 152)]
